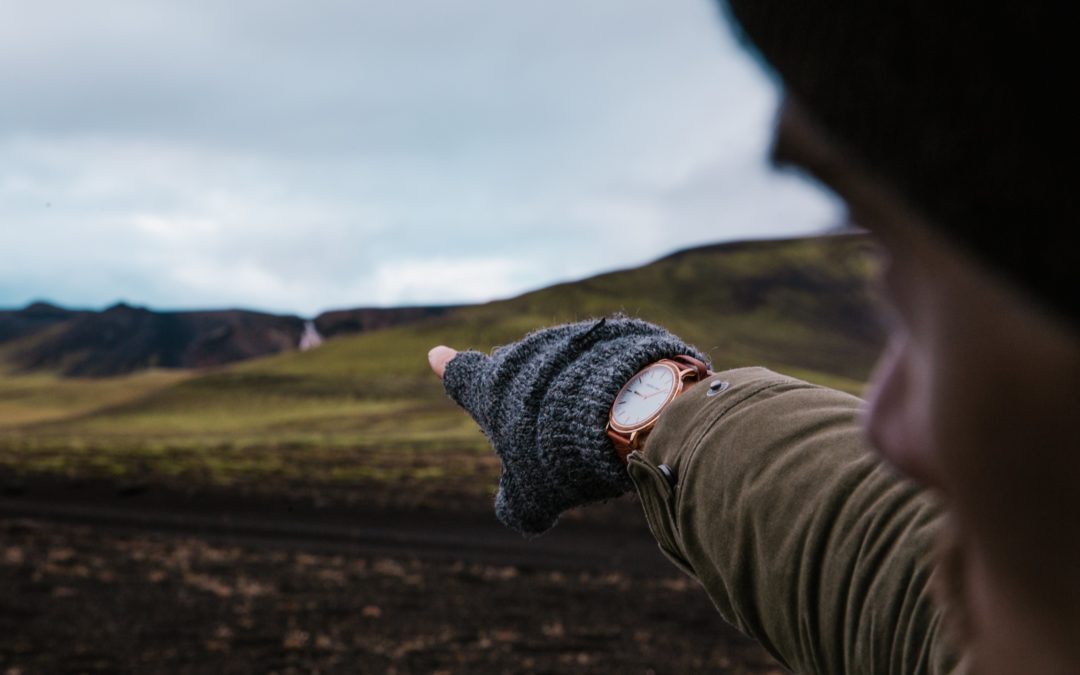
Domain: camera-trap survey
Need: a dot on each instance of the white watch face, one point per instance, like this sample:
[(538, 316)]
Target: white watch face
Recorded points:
[(644, 395)]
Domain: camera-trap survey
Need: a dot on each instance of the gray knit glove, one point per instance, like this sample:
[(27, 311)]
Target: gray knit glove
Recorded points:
[(543, 403)]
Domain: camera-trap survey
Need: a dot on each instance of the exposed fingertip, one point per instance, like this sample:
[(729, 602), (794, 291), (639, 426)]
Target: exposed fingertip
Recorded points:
[(439, 356)]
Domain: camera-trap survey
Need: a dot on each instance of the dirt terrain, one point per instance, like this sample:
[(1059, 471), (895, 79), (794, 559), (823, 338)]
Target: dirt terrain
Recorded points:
[(100, 579)]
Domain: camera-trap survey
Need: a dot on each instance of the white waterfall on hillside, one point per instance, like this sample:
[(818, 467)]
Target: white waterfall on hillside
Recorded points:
[(311, 338)]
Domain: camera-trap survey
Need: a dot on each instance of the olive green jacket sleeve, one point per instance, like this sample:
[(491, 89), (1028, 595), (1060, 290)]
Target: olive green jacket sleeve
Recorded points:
[(804, 540)]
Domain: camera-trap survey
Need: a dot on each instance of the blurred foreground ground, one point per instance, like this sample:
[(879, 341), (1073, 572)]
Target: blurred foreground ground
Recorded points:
[(97, 579)]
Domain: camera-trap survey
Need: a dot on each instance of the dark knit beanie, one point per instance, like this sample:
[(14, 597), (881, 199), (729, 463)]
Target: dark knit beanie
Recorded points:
[(543, 402), (959, 106)]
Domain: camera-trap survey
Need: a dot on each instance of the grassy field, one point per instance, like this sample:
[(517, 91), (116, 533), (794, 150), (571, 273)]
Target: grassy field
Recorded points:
[(362, 416)]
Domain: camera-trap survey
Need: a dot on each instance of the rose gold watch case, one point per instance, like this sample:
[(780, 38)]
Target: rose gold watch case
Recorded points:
[(628, 438), (631, 431)]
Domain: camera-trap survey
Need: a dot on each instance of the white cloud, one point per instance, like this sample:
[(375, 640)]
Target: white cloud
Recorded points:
[(174, 230), (297, 157), (417, 281)]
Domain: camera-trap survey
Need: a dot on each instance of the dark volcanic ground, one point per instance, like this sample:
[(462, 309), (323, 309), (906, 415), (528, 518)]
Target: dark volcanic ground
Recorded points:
[(100, 580)]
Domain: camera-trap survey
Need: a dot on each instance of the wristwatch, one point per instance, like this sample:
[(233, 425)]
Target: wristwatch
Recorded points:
[(645, 396)]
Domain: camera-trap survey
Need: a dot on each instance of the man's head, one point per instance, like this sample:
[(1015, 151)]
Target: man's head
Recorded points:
[(976, 392), (958, 107)]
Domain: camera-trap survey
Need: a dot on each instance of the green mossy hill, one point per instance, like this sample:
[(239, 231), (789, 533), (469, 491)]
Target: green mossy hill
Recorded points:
[(802, 306), (366, 408)]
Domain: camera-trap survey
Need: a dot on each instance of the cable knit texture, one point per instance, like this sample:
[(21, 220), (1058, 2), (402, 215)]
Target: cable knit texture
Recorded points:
[(543, 404)]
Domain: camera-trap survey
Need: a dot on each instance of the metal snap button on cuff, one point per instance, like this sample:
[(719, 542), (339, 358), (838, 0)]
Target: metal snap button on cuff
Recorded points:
[(669, 475), (717, 386)]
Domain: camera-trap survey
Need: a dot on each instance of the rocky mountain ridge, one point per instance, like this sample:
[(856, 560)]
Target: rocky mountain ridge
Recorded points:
[(798, 301), (124, 338)]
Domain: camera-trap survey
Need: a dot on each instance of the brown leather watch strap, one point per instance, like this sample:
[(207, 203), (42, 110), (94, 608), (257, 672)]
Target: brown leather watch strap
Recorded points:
[(623, 447), (701, 370)]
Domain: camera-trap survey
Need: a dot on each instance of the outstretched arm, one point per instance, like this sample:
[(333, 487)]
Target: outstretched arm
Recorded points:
[(761, 488), (804, 540)]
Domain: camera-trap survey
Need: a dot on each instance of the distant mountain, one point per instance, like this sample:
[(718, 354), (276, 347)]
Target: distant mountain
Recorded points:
[(347, 321), (362, 417), (800, 303), (123, 339), (800, 306), (33, 318)]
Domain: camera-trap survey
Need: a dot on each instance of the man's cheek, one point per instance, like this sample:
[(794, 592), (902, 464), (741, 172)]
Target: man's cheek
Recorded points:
[(949, 583)]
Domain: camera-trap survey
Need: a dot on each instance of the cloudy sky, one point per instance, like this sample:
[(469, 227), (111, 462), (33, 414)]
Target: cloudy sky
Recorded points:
[(298, 156)]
